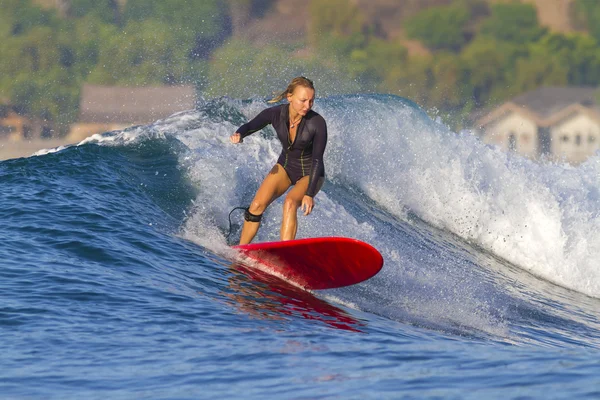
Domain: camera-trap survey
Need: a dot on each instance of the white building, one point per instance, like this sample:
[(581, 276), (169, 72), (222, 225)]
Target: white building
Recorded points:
[(560, 122)]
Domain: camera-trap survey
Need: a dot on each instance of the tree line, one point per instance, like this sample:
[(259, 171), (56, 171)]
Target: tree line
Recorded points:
[(479, 53)]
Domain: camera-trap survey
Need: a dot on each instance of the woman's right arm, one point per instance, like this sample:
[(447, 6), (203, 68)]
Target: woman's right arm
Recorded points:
[(264, 118)]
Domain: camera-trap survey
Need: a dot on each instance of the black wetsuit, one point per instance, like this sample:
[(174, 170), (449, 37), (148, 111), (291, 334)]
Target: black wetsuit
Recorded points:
[(303, 156)]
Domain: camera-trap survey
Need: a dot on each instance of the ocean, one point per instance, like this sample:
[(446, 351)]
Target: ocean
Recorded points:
[(117, 279)]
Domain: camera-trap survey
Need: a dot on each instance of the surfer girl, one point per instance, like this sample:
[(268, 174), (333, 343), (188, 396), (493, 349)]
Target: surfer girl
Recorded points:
[(303, 136)]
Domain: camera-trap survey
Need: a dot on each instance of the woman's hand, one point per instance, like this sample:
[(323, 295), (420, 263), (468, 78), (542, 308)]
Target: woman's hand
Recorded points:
[(307, 204), (236, 138)]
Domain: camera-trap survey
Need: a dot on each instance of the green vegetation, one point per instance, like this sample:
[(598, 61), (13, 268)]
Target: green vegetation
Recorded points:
[(440, 28), (514, 23), (479, 53), (588, 11), (47, 57)]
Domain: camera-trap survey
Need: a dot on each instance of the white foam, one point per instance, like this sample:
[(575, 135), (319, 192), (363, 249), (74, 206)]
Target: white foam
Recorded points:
[(43, 152), (544, 218)]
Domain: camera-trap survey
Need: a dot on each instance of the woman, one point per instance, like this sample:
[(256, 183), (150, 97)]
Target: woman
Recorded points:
[(303, 135)]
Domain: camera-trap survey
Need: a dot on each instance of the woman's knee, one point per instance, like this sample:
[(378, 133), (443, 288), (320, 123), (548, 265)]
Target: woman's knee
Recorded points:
[(290, 204), (257, 207)]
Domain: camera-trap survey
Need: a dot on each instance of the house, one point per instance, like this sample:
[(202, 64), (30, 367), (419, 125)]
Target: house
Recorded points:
[(562, 123), (107, 108)]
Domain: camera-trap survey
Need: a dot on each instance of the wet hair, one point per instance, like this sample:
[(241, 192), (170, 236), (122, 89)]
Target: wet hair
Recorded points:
[(298, 81)]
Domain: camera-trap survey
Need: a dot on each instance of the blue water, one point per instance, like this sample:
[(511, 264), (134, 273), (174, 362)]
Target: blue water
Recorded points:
[(116, 280)]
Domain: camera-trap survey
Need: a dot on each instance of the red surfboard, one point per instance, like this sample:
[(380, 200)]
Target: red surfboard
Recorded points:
[(317, 263)]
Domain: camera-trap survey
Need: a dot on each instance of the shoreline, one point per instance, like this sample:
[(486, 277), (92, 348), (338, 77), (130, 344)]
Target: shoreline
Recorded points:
[(26, 148)]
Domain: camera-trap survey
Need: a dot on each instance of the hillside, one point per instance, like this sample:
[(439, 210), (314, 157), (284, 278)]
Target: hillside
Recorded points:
[(389, 14), (362, 55), (284, 21), (555, 14)]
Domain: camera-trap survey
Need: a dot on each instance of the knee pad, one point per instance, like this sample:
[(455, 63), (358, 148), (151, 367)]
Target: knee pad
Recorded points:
[(248, 216)]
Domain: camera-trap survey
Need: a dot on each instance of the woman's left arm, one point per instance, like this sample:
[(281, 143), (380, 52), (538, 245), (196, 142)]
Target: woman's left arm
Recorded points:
[(317, 169)]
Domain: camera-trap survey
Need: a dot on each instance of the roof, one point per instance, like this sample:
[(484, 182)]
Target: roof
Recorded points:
[(504, 110), (133, 105), (546, 101), (546, 105)]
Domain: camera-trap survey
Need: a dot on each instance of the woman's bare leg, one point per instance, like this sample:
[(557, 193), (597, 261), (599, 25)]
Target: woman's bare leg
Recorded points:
[(274, 185), (293, 200)]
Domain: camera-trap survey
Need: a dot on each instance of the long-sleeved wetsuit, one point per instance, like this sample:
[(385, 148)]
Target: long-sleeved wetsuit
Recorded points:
[(303, 156)]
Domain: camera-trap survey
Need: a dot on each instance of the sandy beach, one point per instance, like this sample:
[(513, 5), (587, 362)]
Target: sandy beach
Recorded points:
[(25, 148)]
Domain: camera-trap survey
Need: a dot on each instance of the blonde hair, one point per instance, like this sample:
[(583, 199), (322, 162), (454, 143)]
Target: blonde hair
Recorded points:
[(298, 81)]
